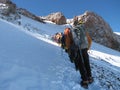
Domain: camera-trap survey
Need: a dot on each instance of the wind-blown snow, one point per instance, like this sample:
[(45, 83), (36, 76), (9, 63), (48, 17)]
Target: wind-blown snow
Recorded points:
[(29, 60)]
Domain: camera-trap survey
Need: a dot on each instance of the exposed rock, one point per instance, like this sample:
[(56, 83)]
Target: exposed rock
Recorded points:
[(8, 7), (57, 18), (11, 7), (4, 1), (99, 30), (28, 14)]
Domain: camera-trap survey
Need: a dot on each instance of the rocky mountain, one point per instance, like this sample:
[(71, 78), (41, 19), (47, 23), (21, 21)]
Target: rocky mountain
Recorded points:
[(57, 18), (29, 14), (8, 9)]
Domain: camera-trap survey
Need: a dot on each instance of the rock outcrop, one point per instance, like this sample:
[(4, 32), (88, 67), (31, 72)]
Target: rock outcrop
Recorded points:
[(7, 7), (4, 1), (57, 18), (29, 14)]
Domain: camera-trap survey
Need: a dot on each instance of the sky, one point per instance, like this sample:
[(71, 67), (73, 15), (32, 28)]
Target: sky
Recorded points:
[(108, 9)]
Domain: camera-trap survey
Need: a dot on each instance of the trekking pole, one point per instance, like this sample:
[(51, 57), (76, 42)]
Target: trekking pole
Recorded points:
[(61, 52)]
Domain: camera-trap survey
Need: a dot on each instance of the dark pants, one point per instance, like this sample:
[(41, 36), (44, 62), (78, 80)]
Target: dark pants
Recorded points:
[(82, 63)]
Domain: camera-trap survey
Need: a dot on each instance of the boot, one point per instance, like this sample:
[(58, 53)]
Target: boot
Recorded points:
[(84, 84), (90, 80)]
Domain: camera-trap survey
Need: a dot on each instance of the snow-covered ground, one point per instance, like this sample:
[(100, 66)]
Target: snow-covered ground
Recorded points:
[(29, 60), (118, 33)]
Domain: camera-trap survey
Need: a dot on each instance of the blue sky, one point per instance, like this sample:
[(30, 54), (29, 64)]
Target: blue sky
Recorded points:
[(108, 9)]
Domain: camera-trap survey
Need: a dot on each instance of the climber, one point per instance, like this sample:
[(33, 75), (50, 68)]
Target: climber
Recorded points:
[(76, 45)]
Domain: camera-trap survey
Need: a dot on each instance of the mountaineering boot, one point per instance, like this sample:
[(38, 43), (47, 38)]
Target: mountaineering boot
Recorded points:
[(84, 84), (90, 80)]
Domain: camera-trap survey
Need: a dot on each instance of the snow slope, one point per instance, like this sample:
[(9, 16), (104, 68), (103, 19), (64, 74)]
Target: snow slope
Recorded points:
[(29, 60)]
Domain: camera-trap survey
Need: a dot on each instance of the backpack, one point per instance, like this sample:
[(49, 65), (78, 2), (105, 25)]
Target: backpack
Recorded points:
[(81, 37), (68, 38)]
